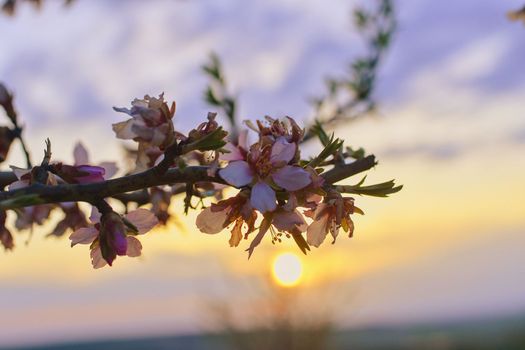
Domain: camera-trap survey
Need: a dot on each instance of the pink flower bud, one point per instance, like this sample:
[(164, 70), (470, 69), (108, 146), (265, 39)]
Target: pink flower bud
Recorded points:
[(80, 174), (112, 238), (92, 174)]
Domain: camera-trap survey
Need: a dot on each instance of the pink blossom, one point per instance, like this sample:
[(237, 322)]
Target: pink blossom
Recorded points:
[(111, 235), (81, 161), (281, 220), (150, 122), (329, 217), (237, 151), (74, 219), (25, 178), (275, 128), (265, 165), (28, 216), (218, 216), (79, 174)]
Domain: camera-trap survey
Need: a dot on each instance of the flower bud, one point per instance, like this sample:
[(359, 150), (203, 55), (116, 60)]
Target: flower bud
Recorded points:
[(81, 174), (112, 238)]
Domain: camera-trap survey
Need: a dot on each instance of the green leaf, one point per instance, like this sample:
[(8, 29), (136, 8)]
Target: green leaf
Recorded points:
[(356, 154), (209, 96), (214, 68), (212, 141), (378, 190), (318, 130), (330, 149)]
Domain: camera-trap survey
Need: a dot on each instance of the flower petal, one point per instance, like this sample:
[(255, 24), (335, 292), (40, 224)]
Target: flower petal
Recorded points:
[(235, 153), (18, 184), (19, 172), (282, 151), (80, 154), (84, 235), (95, 215), (123, 110), (134, 247), (90, 174), (289, 221), (143, 219), (96, 258), (263, 197), (243, 139), (211, 222), (317, 231), (237, 173), (265, 225), (123, 130), (111, 169), (119, 243), (292, 178)]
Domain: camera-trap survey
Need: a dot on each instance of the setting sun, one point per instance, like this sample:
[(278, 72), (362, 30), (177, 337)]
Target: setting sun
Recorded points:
[(287, 269)]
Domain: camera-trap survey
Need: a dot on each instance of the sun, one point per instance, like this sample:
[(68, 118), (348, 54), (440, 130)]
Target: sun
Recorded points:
[(287, 269)]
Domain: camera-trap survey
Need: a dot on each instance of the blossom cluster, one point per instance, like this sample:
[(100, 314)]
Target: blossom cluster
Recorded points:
[(276, 184), (279, 192)]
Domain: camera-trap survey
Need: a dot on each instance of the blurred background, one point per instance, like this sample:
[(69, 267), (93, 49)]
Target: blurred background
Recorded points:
[(440, 264)]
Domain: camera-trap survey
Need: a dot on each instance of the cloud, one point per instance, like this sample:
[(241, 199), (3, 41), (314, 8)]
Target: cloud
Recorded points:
[(432, 152)]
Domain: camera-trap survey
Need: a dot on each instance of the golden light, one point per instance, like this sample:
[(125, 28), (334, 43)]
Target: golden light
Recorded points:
[(287, 269)]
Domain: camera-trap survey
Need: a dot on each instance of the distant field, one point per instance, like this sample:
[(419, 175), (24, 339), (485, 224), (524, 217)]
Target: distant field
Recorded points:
[(508, 334)]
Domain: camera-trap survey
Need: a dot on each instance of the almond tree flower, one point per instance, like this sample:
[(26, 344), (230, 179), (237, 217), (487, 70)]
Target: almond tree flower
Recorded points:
[(25, 178), (110, 234), (237, 151), (310, 196), (274, 128), (281, 220), (74, 219), (6, 238), (79, 174), (81, 158), (82, 172), (218, 216), (112, 238), (150, 122), (263, 167), (204, 128), (329, 217), (36, 214)]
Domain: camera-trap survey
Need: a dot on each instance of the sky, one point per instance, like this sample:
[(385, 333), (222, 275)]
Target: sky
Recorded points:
[(450, 128)]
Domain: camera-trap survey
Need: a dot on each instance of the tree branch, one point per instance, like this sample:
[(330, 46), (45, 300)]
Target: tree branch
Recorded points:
[(341, 172), (41, 194)]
